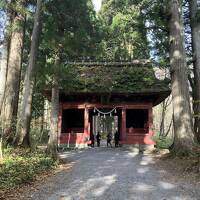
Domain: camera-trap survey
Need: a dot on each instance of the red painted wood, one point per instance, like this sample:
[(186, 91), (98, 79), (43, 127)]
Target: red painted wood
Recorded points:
[(135, 136), (73, 138), (86, 123), (82, 105)]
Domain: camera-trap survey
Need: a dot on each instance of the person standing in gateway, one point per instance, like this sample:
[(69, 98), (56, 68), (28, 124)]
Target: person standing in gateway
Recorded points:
[(109, 139), (98, 137)]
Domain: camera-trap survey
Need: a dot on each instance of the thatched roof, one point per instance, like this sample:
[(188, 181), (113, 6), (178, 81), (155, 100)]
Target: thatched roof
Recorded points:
[(112, 79), (127, 82)]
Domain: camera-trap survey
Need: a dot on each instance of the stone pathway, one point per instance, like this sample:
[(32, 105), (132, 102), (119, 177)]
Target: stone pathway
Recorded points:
[(114, 174)]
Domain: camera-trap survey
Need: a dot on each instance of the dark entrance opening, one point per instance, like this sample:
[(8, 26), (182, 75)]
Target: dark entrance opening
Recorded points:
[(73, 121), (137, 120)]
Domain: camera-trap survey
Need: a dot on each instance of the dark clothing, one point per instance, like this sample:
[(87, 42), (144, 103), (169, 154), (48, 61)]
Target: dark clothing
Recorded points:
[(98, 137), (109, 139), (117, 138), (92, 140)]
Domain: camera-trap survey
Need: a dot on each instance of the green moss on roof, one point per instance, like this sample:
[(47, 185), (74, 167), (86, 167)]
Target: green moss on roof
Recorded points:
[(110, 79)]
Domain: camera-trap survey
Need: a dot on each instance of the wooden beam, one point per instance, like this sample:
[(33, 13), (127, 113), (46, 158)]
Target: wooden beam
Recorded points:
[(126, 105)]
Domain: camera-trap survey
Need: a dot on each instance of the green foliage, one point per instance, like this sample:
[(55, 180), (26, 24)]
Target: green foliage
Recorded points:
[(22, 166), (38, 137), (157, 28), (163, 142), (124, 26), (70, 29), (38, 104), (71, 26), (135, 29)]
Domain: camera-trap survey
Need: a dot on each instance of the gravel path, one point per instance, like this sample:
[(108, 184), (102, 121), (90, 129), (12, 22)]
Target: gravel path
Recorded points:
[(113, 174)]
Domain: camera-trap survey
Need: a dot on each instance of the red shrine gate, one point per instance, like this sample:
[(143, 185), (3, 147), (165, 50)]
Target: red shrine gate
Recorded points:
[(131, 88), (135, 122)]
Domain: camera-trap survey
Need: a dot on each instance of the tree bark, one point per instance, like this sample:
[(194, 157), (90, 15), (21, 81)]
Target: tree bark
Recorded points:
[(13, 76), (53, 135), (195, 26), (1, 150), (162, 124), (25, 112), (3, 72), (184, 135)]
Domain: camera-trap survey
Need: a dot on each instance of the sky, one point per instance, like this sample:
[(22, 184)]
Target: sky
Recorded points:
[(97, 4)]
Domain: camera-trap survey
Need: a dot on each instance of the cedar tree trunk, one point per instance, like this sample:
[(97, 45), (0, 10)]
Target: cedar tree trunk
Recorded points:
[(25, 112), (184, 135), (195, 25), (13, 75), (53, 136), (3, 72)]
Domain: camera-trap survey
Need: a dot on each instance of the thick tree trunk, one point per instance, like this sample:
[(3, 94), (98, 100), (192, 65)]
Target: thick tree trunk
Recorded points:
[(53, 136), (3, 72), (184, 136), (195, 25), (25, 112), (13, 76)]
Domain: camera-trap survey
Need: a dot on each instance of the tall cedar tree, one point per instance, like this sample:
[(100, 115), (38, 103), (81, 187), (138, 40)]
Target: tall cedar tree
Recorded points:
[(3, 66), (184, 135), (73, 33), (14, 69), (81, 38), (53, 135), (3, 72), (25, 111), (195, 26)]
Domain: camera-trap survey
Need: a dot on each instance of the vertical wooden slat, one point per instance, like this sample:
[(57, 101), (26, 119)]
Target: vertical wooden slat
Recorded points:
[(86, 122)]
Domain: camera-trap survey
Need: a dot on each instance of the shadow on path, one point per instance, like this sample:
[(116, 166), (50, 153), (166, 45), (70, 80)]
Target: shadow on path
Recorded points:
[(113, 174)]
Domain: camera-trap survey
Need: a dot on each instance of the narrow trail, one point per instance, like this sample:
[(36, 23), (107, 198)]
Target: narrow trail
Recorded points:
[(114, 174)]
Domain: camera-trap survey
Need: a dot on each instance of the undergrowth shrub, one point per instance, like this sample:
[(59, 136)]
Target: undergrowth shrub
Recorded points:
[(163, 142), (22, 166)]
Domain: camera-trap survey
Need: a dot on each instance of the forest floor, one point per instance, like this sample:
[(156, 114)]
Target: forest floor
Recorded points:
[(117, 174)]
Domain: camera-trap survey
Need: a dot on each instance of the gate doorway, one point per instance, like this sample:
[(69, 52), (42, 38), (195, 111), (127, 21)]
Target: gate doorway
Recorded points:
[(104, 123)]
